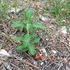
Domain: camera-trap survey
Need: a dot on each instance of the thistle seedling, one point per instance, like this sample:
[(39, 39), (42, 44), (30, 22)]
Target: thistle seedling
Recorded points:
[(30, 38)]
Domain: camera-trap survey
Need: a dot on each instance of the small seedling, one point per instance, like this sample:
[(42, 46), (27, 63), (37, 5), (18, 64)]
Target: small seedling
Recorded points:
[(3, 9), (60, 11), (28, 39), (56, 7)]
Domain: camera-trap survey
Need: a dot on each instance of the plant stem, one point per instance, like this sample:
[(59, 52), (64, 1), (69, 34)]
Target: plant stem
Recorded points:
[(27, 28)]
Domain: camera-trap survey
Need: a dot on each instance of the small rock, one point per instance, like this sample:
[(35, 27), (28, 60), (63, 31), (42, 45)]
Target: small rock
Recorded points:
[(54, 51), (4, 52), (43, 51), (42, 63), (13, 10), (43, 18), (64, 30), (46, 62), (9, 67), (35, 63), (64, 21)]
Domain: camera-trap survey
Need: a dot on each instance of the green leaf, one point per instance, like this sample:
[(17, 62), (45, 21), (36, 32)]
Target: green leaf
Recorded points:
[(21, 47), (26, 39), (33, 35), (30, 38), (35, 25), (17, 24), (28, 14), (56, 10), (36, 40), (28, 27), (20, 38), (31, 50)]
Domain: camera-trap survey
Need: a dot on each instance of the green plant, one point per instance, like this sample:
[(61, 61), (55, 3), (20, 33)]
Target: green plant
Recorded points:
[(56, 7), (28, 39), (3, 9), (66, 8), (60, 10)]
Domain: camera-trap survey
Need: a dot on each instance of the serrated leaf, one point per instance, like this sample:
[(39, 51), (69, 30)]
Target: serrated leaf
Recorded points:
[(33, 35), (20, 38), (17, 24), (28, 14), (28, 27), (26, 39), (31, 50), (35, 25), (21, 47), (36, 40)]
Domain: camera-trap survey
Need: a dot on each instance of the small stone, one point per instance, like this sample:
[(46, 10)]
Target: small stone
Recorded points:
[(35, 63), (13, 10), (54, 51), (43, 51), (9, 67), (64, 21), (46, 62), (4, 52), (42, 63), (64, 30), (47, 39), (44, 18)]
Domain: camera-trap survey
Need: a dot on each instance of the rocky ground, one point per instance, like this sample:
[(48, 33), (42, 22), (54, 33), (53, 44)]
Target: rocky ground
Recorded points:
[(53, 49)]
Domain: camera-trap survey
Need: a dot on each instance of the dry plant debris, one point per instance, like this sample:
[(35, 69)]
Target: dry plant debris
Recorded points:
[(53, 49)]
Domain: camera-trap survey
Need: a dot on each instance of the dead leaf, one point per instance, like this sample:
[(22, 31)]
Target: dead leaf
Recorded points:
[(37, 4), (58, 44), (42, 57), (68, 41), (8, 29), (0, 63), (58, 57), (51, 39), (7, 48), (51, 59), (30, 68), (64, 30), (65, 61), (38, 56)]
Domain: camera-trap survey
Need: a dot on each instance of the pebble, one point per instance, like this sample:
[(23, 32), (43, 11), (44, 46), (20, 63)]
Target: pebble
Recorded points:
[(42, 63), (64, 30), (54, 51), (4, 52), (43, 18), (43, 50)]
